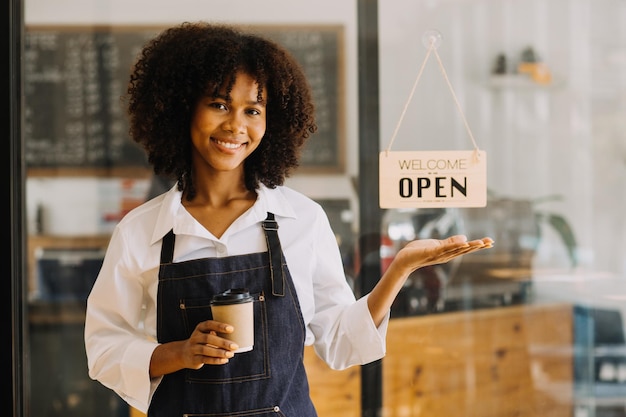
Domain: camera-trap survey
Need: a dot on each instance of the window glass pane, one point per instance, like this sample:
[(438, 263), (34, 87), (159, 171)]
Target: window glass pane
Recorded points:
[(540, 84)]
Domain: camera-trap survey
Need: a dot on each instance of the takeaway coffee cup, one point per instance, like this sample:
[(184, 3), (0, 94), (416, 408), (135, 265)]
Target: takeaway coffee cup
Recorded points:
[(235, 307)]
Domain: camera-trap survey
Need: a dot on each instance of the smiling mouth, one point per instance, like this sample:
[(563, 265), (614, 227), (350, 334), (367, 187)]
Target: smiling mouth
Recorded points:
[(229, 145)]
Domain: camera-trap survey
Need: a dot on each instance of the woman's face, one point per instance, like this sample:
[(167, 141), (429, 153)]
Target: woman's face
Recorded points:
[(223, 132)]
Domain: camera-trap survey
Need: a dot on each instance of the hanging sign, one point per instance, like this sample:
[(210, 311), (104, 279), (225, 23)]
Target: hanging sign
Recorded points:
[(432, 179), (427, 179)]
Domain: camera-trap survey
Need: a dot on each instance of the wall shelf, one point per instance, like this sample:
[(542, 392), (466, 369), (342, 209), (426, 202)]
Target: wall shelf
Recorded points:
[(522, 82)]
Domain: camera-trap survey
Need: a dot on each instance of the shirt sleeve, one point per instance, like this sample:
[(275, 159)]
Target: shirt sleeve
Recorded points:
[(118, 350), (345, 333)]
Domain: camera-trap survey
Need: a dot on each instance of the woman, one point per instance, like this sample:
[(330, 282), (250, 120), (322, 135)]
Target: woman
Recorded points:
[(225, 114)]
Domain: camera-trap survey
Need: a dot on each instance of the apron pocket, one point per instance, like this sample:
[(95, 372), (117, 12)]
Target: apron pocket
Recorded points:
[(244, 366)]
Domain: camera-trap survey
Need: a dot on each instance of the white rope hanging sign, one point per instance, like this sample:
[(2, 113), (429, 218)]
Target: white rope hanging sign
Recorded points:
[(423, 179)]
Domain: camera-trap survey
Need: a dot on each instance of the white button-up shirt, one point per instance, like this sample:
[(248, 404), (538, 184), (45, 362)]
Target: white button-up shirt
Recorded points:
[(120, 327)]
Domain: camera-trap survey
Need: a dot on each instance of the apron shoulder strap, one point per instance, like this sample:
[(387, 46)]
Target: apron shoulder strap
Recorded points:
[(270, 227), (167, 247)]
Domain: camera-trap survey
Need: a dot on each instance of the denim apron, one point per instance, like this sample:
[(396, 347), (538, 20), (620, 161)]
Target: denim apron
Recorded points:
[(269, 380)]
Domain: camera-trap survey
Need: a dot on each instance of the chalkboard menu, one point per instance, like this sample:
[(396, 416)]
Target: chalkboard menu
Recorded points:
[(75, 77)]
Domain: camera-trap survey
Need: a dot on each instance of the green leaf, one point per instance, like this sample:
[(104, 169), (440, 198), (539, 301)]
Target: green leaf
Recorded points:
[(566, 233)]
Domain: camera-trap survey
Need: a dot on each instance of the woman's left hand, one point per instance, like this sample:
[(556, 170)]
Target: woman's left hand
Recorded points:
[(415, 255), (424, 252)]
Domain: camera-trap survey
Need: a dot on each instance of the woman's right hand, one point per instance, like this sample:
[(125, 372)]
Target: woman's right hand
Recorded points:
[(204, 347)]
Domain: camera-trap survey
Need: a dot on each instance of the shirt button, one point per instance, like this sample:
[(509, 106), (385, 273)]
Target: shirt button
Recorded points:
[(221, 250)]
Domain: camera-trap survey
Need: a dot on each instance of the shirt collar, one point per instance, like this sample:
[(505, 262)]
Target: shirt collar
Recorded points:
[(272, 200), (172, 214), (171, 201)]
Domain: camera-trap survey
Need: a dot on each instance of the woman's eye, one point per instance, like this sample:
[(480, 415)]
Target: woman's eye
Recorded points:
[(218, 105)]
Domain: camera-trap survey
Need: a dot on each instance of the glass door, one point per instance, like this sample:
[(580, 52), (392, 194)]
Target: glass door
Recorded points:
[(540, 84)]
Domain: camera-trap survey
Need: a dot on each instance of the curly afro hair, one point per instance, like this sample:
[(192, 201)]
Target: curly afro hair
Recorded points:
[(182, 64)]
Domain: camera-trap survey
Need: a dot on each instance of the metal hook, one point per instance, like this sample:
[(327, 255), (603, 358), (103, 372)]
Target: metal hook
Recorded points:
[(431, 39)]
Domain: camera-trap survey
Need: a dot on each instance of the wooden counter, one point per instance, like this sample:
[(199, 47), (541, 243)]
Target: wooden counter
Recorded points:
[(511, 361)]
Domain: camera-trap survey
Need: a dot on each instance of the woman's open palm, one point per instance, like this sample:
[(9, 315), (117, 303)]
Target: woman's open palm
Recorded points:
[(425, 252)]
